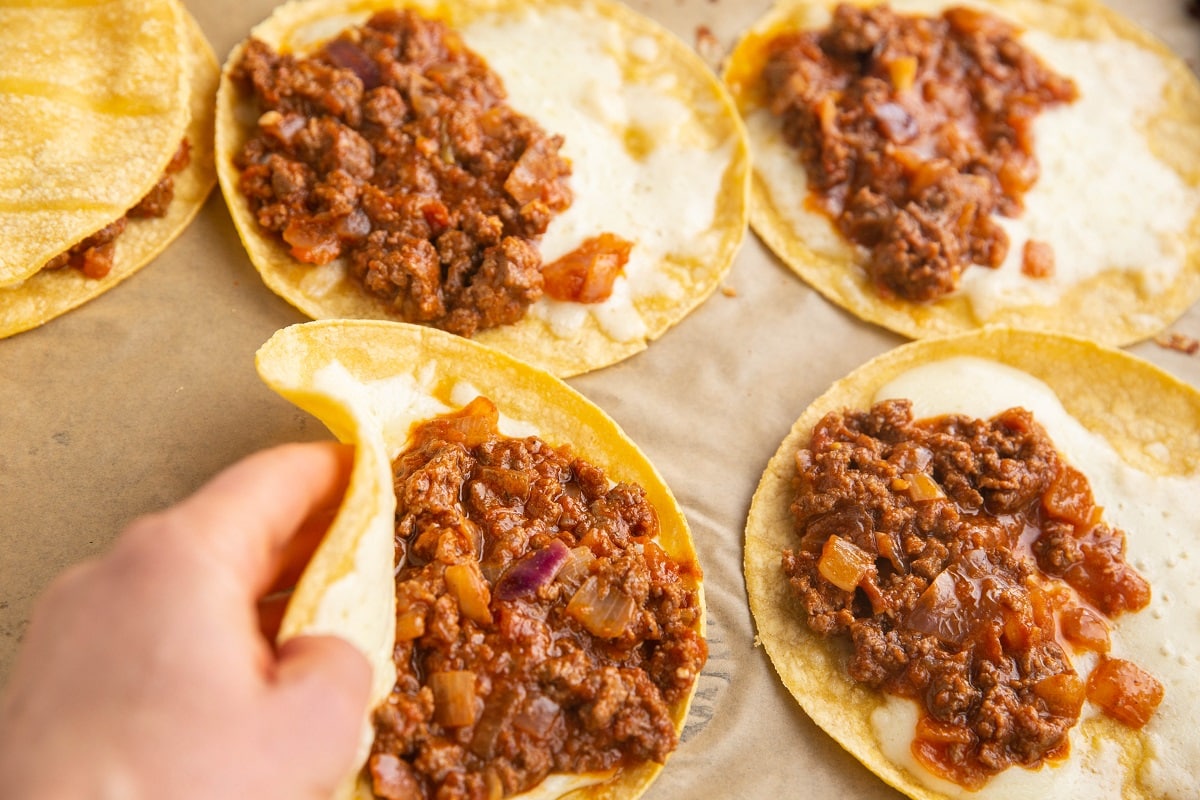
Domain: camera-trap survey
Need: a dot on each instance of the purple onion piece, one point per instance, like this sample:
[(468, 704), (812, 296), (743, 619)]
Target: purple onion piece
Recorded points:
[(347, 55), (532, 572)]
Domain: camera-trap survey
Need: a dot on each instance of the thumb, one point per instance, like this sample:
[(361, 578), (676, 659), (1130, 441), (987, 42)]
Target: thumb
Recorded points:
[(323, 685)]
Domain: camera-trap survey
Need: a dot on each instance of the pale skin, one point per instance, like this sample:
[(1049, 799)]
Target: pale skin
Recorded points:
[(152, 672)]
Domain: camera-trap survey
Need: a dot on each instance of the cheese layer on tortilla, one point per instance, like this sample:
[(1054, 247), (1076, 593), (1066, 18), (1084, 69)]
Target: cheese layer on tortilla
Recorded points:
[(658, 154), (1131, 429)]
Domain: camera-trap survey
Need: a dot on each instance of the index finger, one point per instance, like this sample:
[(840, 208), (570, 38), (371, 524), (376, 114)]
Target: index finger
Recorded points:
[(248, 517)]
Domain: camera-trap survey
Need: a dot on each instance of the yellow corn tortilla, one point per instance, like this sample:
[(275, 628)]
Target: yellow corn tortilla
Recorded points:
[(1115, 307), (46, 294), (369, 382), (683, 279), (1148, 417)]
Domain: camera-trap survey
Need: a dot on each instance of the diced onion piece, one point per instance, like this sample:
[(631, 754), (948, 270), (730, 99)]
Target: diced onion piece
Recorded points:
[(348, 55), (471, 591), (410, 623), (923, 487), (533, 571), (474, 424), (1070, 497), (1124, 691), (537, 716), (606, 612), (932, 730), (534, 175), (453, 698), (843, 563), (313, 242), (392, 778), (902, 72), (513, 482), (1085, 628), (1063, 694), (577, 568)]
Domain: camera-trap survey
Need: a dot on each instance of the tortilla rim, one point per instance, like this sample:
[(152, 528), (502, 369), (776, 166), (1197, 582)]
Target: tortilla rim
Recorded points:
[(531, 339), (48, 294), (375, 349), (1141, 403), (1111, 308)]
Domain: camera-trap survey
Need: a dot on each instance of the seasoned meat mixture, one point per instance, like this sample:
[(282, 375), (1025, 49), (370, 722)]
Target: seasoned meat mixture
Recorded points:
[(94, 255), (962, 559), (913, 132), (540, 629), (393, 147)]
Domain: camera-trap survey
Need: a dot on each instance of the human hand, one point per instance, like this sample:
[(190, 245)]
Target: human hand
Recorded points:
[(151, 672)]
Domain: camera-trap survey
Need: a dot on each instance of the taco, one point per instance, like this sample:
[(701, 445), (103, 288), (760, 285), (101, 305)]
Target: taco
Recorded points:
[(521, 578), (563, 179), (967, 563), (934, 167), (106, 163)]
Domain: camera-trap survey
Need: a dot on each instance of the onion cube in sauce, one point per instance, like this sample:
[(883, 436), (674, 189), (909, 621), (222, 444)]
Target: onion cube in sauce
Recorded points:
[(530, 591), (1125, 691), (949, 553)]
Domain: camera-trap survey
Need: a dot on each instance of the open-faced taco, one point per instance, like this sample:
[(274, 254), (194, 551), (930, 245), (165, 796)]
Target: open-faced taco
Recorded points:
[(934, 166), (562, 179), (107, 132), (969, 563), (520, 576)]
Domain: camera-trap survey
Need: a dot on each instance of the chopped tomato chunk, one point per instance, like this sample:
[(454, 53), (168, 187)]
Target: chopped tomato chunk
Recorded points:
[(587, 273)]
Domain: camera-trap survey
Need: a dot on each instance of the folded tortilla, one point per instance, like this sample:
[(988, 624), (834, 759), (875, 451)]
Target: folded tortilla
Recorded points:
[(83, 148), (369, 382)]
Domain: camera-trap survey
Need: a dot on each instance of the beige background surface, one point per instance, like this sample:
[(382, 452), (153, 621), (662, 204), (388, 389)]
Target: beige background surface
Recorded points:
[(130, 402)]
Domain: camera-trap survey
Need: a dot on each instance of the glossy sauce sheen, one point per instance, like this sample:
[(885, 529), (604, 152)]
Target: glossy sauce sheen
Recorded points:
[(1156, 512), (965, 561), (540, 628), (393, 147), (914, 132)]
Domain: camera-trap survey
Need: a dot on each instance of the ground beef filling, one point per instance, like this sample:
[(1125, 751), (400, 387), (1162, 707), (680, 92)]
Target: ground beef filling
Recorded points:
[(913, 132), (963, 561), (539, 629), (94, 255), (392, 147)]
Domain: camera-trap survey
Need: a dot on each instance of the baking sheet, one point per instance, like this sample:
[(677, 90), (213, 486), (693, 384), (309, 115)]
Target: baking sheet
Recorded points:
[(129, 403)]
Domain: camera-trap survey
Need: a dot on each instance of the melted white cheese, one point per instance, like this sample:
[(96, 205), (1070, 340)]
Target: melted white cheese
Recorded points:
[(1162, 529), (565, 69), (1103, 199)]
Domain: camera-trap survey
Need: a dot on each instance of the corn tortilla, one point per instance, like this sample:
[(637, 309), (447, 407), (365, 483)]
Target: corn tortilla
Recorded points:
[(1146, 415), (649, 58), (47, 294), (328, 368), (1116, 305)]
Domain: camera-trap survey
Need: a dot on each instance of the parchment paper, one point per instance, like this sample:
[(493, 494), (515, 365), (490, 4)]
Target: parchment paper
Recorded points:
[(131, 402)]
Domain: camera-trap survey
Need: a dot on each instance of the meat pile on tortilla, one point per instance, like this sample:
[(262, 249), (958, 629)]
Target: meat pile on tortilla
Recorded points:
[(562, 180), (933, 167), (507, 616), (1008, 610)]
